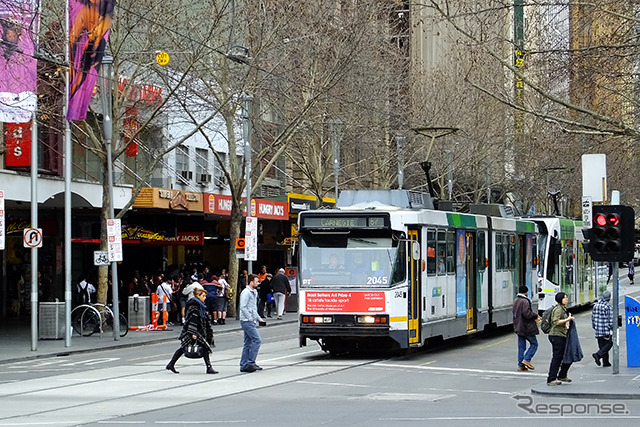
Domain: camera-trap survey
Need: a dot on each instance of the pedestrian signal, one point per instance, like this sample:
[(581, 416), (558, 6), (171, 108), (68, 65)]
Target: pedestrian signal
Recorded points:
[(611, 237)]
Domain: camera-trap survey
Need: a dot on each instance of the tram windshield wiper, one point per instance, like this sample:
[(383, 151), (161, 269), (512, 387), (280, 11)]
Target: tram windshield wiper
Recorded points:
[(360, 240)]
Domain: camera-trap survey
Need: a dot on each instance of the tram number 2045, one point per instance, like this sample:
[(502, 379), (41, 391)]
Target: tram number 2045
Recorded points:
[(371, 280)]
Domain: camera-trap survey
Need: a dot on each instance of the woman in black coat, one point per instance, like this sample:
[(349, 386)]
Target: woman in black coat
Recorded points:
[(197, 327)]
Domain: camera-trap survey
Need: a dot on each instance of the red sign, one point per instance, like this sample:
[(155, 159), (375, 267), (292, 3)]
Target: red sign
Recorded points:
[(266, 209), (344, 302), (18, 141)]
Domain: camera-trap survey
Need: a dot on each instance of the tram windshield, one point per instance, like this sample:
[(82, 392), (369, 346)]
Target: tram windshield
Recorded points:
[(339, 260)]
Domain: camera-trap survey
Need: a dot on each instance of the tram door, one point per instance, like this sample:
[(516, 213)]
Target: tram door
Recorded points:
[(472, 305), (415, 294)]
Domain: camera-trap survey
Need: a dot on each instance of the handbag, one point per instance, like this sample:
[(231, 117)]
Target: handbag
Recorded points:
[(194, 351)]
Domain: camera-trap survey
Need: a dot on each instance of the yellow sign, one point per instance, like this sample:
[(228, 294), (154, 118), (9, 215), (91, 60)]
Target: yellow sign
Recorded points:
[(162, 58)]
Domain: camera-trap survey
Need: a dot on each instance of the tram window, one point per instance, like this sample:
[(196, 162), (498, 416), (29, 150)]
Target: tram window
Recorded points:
[(441, 252), (512, 251), (480, 254), (498, 245), (505, 251), (451, 249), (431, 252)]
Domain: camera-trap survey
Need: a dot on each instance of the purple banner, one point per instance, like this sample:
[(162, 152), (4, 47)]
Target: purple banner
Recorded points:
[(18, 67), (89, 24)]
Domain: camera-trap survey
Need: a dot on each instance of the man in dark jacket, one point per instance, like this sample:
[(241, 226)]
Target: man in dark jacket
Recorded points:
[(525, 325), (281, 290)]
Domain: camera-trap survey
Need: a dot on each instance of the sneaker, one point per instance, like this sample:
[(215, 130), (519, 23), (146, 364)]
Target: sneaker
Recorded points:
[(248, 369), (565, 379), (596, 358), (554, 382), (528, 365), (257, 368), (606, 365), (522, 368)]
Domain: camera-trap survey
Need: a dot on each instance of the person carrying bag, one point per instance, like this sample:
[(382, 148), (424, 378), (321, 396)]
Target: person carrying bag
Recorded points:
[(196, 338)]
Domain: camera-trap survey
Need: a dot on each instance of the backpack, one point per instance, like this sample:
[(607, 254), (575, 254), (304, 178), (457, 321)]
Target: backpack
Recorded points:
[(83, 294), (545, 323)]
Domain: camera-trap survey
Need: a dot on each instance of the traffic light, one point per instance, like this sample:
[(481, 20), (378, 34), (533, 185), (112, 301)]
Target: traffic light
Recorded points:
[(611, 237)]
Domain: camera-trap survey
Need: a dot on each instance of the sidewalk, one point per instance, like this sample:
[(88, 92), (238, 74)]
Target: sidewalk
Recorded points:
[(15, 339)]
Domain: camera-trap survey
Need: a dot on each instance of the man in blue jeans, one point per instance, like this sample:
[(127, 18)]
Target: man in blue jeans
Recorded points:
[(526, 327), (248, 318)]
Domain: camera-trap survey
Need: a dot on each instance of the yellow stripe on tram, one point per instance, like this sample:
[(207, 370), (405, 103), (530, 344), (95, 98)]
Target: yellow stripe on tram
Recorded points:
[(398, 319)]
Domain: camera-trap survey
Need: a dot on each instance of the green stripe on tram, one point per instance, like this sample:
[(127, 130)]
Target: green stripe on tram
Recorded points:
[(458, 220), (525, 227), (567, 229)]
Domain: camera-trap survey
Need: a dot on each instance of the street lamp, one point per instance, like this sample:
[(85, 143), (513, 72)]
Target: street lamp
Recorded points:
[(106, 93)]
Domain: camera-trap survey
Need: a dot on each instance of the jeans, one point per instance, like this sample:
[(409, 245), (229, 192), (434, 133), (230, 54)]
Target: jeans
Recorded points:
[(522, 344), (558, 344), (604, 345), (252, 343), (279, 298)]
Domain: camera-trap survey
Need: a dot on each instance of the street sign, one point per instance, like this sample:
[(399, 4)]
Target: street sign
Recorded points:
[(240, 243), (114, 240), (100, 258), (251, 239), (586, 212), (32, 237), (2, 239)]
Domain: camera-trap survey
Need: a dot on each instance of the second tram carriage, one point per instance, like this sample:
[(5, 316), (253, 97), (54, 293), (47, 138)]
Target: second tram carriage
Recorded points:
[(384, 268)]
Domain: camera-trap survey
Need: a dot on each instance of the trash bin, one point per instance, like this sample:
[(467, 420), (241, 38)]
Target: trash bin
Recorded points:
[(51, 320), (139, 311)]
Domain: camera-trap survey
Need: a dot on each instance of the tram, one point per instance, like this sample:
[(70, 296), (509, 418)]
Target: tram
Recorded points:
[(566, 265), (384, 269)]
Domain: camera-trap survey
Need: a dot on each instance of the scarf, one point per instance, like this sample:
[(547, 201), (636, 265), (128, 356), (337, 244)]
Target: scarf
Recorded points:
[(203, 308)]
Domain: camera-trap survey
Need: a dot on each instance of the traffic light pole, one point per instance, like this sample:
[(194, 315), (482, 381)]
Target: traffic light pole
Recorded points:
[(616, 303)]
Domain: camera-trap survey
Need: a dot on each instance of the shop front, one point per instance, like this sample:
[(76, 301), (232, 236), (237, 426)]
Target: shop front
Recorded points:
[(273, 216)]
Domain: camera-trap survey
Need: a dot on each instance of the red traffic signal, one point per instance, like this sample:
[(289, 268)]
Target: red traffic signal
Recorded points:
[(612, 235)]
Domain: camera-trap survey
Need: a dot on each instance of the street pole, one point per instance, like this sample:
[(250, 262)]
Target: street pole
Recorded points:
[(400, 140), (616, 303), (34, 224), (334, 130), (247, 101), (107, 129)]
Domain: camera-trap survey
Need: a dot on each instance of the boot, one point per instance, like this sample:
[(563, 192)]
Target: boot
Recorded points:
[(210, 370), (172, 363)]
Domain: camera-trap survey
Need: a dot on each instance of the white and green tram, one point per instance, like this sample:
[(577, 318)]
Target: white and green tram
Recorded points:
[(386, 269), (566, 265)]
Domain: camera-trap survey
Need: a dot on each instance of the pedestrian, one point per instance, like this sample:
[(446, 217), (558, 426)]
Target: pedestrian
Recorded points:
[(211, 286), (560, 321), (223, 303), (85, 291), (632, 272), (281, 289), (602, 324), (526, 327), (165, 297), (196, 328), (264, 294), (248, 318)]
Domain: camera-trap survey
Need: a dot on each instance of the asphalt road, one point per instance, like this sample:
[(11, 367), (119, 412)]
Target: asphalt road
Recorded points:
[(469, 381)]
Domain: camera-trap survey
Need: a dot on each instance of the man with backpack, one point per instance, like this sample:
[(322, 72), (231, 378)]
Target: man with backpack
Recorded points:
[(525, 326)]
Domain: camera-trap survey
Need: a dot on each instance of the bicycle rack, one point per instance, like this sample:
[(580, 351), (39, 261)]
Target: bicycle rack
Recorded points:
[(92, 307)]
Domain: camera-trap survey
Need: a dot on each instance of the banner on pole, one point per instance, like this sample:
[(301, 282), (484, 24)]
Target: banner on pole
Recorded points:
[(89, 25), (18, 67), (17, 138)]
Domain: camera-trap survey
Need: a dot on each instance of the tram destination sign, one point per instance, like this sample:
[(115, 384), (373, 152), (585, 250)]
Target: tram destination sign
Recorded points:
[(344, 222)]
